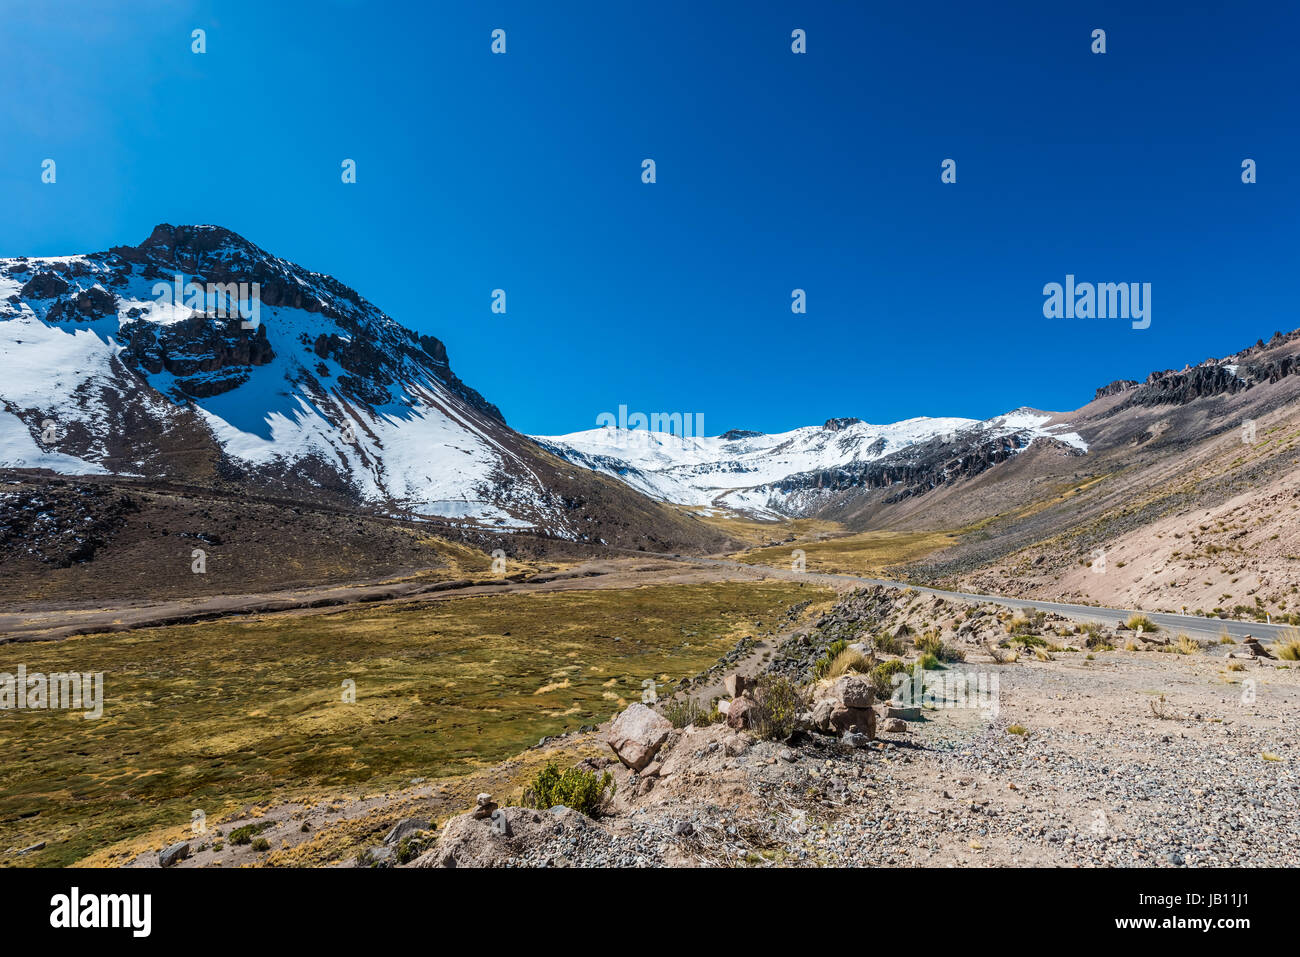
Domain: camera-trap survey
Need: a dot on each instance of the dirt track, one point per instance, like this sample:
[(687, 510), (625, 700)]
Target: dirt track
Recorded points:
[(59, 623)]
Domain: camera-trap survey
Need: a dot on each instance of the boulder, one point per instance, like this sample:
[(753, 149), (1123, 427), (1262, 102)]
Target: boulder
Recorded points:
[(855, 691), (741, 714), (637, 735), (376, 857), (908, 713), (484, 807), (405, 828), (737, 685), (736, 744), (174, 854), (893, 725), (861, 720), (820, 716)]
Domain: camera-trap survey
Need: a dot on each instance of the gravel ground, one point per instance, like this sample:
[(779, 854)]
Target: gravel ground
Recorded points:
[(1098, 779)]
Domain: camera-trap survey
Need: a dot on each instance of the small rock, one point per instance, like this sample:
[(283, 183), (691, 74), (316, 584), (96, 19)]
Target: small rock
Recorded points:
[(484, 808)]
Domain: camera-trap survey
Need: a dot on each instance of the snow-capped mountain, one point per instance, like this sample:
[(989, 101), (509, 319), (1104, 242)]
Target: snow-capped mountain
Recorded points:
[(310, 391), (788, 473)]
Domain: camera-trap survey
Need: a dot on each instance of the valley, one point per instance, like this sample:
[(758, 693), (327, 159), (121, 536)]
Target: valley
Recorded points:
[(329, 587)]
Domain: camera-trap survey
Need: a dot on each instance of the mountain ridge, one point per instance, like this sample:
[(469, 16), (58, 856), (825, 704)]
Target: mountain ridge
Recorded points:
[(308, 390)]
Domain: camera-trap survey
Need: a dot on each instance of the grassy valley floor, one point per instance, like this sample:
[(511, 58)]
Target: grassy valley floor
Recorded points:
[(215, 716)]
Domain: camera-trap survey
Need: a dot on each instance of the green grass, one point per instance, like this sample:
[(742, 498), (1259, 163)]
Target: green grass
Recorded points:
[(217, 715), (866, 553)]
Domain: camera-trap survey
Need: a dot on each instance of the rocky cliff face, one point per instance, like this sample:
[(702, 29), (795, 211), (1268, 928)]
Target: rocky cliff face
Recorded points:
[(1264, 362)]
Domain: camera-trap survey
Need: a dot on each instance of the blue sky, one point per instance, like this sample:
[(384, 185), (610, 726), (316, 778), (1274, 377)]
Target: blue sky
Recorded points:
[(775, 171)]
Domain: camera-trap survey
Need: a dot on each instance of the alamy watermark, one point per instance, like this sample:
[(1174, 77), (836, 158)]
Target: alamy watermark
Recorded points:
[(225, 300), (947, 689), (680, 425), (1103, 300), (56, 691)]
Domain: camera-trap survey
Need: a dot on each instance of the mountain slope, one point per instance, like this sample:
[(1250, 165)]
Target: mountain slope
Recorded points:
[(805, 471), (318, 395)]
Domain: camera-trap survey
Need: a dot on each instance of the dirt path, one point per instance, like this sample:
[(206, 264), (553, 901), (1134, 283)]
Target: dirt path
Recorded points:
[(57, 624)]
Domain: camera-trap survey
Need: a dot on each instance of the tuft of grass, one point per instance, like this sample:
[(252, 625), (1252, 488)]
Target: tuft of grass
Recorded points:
[(1288, 646), (1142, 621), (684, 711), (1236, 666), (1269, 756), (929, 662), (1185, 646), (833, 651), (1028, 641), (1019, 729), (932, 644), (850, 660), (887, 644)]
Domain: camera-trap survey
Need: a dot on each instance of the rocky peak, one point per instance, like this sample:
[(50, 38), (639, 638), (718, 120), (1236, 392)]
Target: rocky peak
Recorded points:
[(836, 425), (1115, 388)]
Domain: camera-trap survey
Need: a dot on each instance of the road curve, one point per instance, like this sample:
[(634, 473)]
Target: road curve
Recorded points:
[(1194, 626)]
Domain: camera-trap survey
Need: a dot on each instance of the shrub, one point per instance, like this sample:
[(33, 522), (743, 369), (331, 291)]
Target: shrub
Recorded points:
[(778, 702), (245, 834), (887, 644), (573, 787), (1185, 646), (1028, 641), (1019, 729), (1142, 621), (408, 849), (261, 844), (882, 677), (929, 662)]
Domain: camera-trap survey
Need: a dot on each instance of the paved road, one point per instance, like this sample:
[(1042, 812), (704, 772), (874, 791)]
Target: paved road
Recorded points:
[(1206, 629)]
